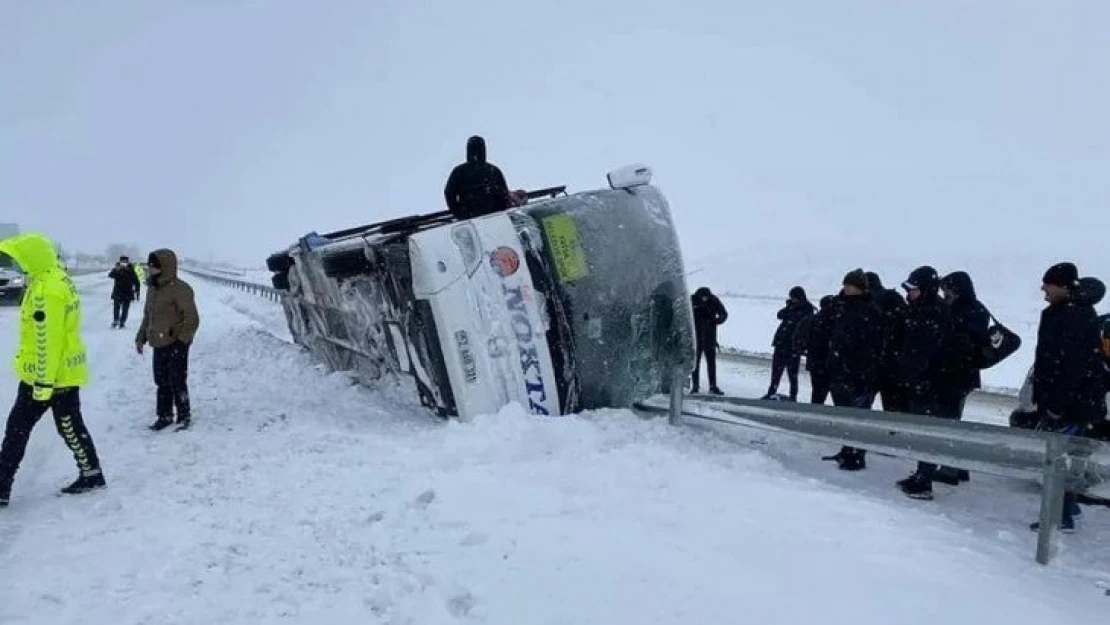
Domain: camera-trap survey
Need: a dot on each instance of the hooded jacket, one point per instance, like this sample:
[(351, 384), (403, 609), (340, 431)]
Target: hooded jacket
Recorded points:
[(893, 307), (789, 318), (476, 187), (51, 353), (126, 286), (170, 312), (709, 313), (971, 333), (813, 335), (1069, 378)]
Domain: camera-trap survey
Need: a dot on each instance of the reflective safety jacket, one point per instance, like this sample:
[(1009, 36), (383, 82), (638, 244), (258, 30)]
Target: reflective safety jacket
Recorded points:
[(51, 352)]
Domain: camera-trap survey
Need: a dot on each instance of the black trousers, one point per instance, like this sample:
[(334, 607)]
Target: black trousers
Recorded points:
[(25, 414), (171, 376), (925, 400), (120, 308), (894, 396), (786, 359), (852, 397), (710, 354), (819, 383)]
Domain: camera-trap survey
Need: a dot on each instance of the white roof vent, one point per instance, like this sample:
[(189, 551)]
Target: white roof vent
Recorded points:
[(630, 176)]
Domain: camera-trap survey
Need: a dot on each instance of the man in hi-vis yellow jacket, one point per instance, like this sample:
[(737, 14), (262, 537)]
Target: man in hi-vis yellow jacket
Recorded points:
[(50, 363)]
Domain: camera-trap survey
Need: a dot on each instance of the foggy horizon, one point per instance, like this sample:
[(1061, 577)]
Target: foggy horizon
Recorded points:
[(228, 130)]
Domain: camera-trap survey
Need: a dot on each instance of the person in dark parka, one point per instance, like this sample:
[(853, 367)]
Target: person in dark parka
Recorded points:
[(971, 334), (921, 361), (709, 313), (1069, 374), (476, 187), (893, 306), (785, 358), (855, 342), (811, 340), (125, 290)]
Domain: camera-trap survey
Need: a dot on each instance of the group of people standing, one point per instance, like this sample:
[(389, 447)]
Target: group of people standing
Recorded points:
[(52, 364), (922, 354)]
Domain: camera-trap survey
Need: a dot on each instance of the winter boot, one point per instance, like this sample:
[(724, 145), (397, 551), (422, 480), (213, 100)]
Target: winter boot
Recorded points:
[(917, 488), (947, 475), (5, 492), (713, 390), (161, 424), (1067, 526), (857, 461), (905, 482), (849, 459), (1068, 522), (184, 422), (86, 482)]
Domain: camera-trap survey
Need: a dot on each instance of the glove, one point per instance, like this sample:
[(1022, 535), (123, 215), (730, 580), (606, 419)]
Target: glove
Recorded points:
[(42, 393)]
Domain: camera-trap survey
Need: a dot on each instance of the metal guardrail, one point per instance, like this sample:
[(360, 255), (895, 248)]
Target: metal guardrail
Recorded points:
[(254, 288), (763, 359), (87, 271), (1066, 463)]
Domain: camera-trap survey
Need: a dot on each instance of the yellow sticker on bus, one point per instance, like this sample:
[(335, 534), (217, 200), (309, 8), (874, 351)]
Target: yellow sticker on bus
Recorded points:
[(566, 249)]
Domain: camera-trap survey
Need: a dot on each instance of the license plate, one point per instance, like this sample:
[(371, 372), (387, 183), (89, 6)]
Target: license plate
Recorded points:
[(466, 356)]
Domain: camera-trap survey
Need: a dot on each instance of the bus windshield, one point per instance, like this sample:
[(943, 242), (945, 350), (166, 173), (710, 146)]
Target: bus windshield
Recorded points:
[(610, 266)]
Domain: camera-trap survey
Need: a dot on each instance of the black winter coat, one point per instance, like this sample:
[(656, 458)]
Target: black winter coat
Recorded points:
[(476, 187), (921, 353), (126, 287), (1069, 375), (855, 343), (971, 333), (789, 318), (812, 336), (709, 313)]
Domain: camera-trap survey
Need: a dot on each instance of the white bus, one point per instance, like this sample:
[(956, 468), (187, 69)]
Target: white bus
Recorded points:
[(567, 303)]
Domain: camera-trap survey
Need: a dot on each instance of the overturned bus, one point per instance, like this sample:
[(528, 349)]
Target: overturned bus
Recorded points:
[(569, 302)]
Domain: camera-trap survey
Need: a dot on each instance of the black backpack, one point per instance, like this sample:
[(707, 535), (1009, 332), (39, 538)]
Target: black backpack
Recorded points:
[(1003, 343)]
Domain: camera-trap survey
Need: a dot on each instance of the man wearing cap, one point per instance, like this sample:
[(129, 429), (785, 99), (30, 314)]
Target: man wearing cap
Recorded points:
[(921, 361), (1068, 374)]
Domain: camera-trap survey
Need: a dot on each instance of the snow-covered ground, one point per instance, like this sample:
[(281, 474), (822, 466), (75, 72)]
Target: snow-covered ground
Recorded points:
[(298, 497)]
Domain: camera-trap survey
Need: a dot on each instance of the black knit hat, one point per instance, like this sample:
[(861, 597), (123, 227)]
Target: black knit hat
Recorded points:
[(798, 293), (1062, 274), (856, 278)]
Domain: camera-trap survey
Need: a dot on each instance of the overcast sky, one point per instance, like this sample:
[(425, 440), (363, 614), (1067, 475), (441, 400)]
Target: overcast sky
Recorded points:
[(227, 129)]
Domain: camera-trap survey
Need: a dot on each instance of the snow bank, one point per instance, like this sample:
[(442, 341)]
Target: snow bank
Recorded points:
[(302, 498)]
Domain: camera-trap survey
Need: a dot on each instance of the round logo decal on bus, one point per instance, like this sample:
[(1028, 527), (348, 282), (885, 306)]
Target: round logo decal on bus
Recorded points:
[(505, 261)]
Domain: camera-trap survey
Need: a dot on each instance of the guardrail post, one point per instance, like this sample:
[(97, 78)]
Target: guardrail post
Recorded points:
[(678, 379), (1052, 495)]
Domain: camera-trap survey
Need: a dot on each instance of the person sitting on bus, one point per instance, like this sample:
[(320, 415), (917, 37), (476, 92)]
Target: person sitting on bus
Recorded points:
[(476, 187)]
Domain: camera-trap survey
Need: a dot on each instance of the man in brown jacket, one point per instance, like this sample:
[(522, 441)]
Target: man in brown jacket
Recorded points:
[(170, 321)]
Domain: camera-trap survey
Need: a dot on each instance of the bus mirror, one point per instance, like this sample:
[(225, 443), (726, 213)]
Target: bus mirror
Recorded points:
[(630, 176)]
